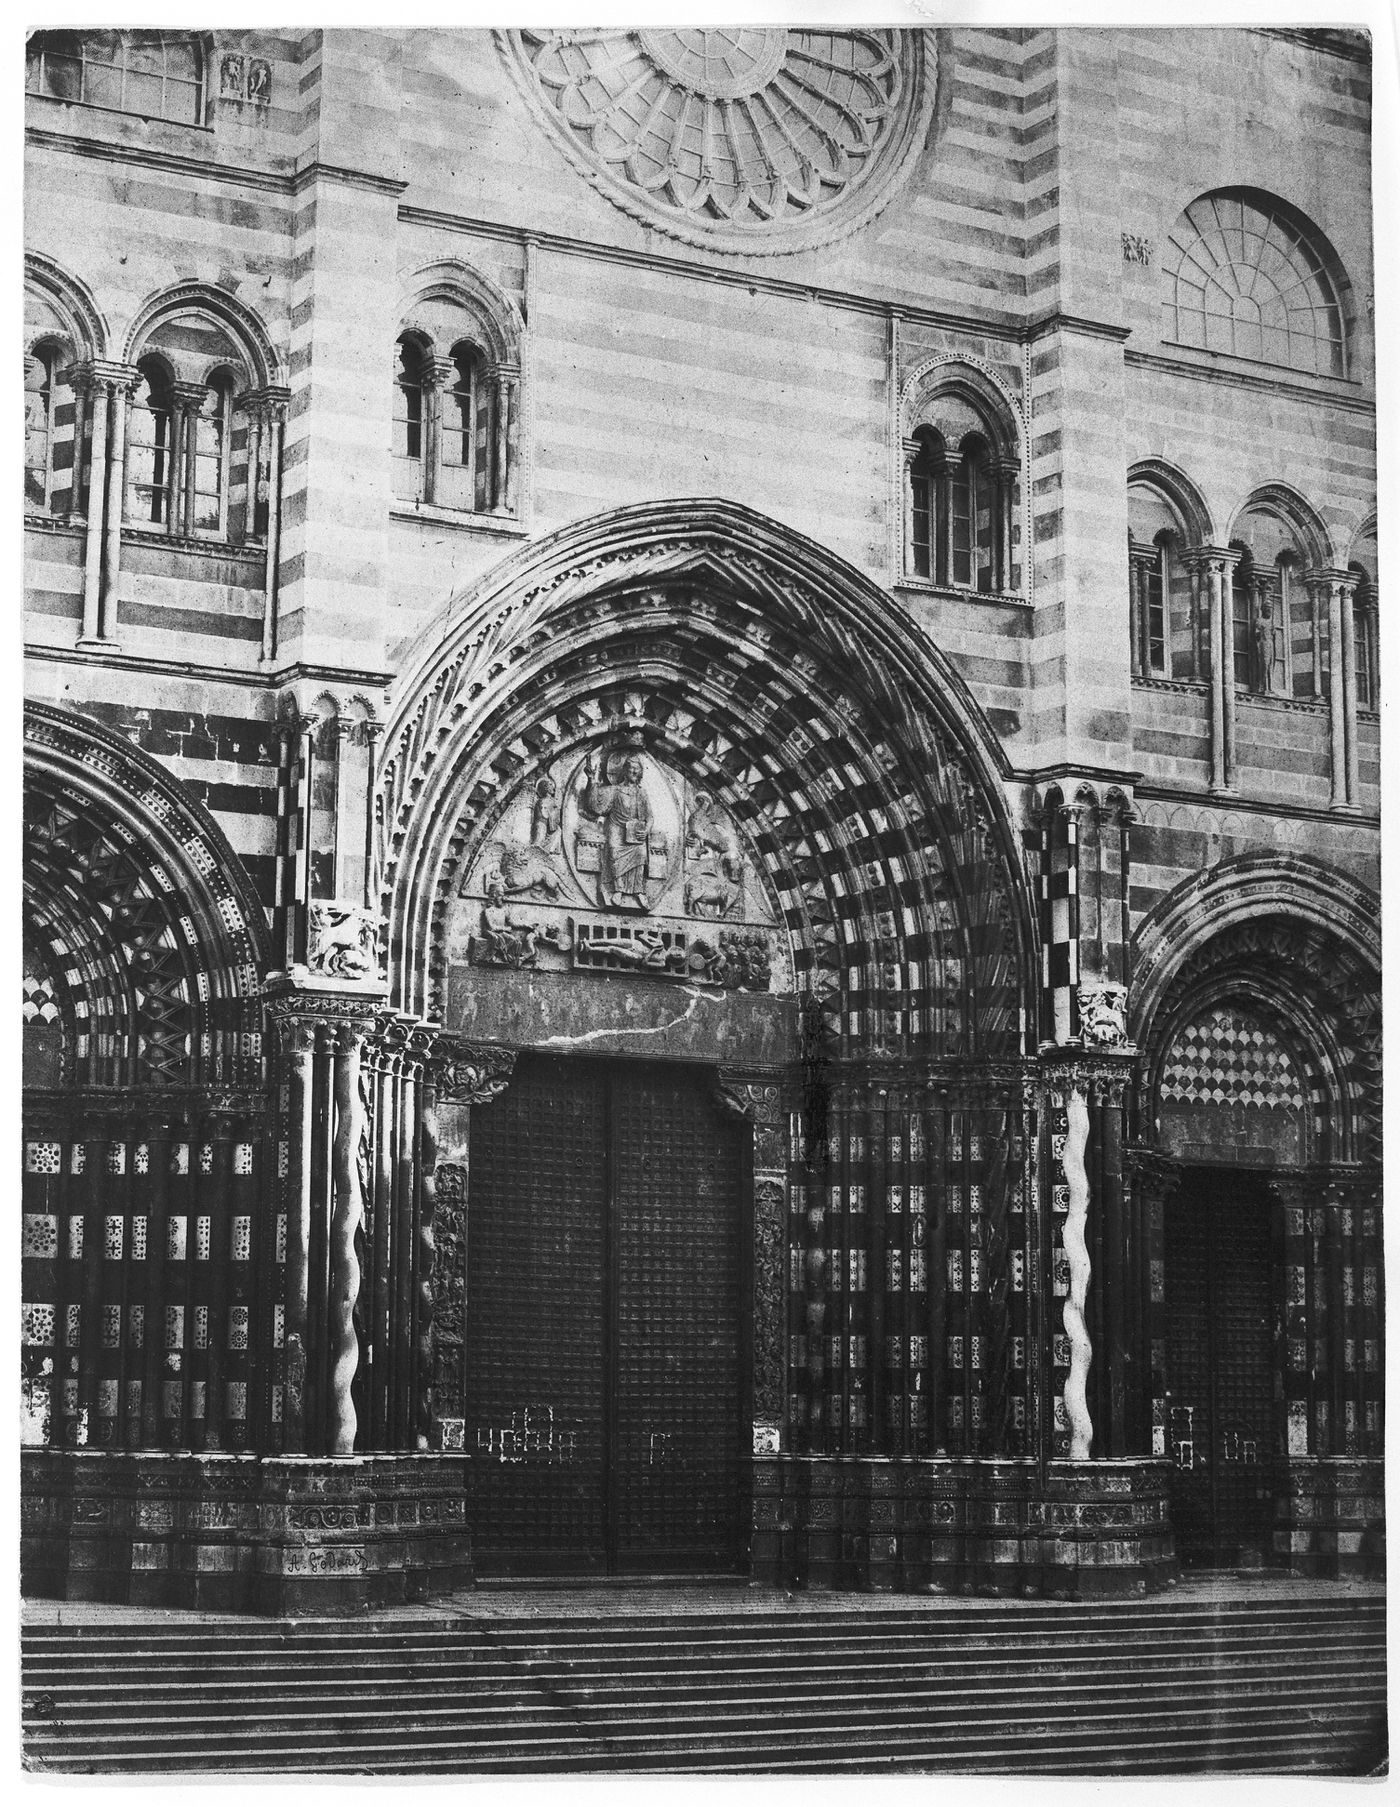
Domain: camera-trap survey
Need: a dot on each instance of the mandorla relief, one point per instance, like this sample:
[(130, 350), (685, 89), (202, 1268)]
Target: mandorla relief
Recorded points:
[(611, 862)]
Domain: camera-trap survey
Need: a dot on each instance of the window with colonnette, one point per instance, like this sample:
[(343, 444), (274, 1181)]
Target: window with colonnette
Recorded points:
[(457, 395), (1277, 615), (1361, 563), (62, 332), (197, 453), (961, 482)]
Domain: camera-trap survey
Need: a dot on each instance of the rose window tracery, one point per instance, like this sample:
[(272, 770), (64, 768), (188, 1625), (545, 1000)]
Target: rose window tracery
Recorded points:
[(754, 139)]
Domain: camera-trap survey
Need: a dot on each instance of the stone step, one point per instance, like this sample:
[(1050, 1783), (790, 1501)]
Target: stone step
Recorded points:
[(992, 1690)]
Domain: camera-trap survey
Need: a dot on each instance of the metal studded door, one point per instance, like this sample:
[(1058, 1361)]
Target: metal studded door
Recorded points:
[(602, 1349), (536, 1332), (1220, 1356), (676, 1357)]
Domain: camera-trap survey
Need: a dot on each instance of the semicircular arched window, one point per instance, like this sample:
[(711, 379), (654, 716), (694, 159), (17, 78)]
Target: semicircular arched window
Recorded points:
[(155, 74), (1243, 279)]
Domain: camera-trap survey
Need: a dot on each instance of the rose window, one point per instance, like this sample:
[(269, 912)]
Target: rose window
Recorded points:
[(753, 139)]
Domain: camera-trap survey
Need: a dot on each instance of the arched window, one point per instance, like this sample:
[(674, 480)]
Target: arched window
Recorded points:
[(1365, 622), (39, 386), (150, 453), (457, 393), (210, 460), (1164, 621), (192, 445), (1244, 278), (408, 419), (1242, 620), (458, 463), (1280, 624), (158, 75), (960, 500), (927, 475)]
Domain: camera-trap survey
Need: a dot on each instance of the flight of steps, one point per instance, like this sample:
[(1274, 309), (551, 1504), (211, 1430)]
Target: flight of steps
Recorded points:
[(1174, 1684)]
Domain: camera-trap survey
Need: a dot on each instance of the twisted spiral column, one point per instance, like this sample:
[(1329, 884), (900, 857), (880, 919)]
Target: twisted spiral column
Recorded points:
[(347, 1220), (1081, 1429), (426, 1255)]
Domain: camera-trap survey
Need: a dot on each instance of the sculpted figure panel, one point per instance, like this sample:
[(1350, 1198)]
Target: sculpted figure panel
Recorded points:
[(610, 862)]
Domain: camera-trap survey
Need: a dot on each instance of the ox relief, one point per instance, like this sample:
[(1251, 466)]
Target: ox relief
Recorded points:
[(609, 862)]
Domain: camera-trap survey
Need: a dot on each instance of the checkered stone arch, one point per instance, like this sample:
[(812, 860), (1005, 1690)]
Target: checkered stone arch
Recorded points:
[(1274, 1015), (146, 941)]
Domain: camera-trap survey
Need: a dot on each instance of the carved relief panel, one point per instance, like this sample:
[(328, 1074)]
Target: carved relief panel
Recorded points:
[(609, 862)]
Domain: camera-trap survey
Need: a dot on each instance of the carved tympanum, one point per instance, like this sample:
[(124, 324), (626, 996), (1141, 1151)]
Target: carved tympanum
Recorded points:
[(611, 862)]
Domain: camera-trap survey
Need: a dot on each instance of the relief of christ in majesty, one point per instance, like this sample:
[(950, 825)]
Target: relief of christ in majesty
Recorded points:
[(621, 808)]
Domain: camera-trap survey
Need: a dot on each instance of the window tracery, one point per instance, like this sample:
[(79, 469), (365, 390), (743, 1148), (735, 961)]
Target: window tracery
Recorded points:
[(1243, 278), (755, 140), (153, 74)]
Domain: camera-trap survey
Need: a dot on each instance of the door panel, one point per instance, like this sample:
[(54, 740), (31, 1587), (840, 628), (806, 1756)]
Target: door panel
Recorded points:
[(535, 1332), (677, 1364), (1220, 1360), (603, 1368)]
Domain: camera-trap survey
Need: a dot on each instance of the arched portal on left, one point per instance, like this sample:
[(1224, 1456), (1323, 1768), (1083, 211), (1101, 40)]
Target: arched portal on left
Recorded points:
[(144, 1105)]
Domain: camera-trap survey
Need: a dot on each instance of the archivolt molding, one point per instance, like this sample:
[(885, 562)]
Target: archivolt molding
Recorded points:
[(492, 312), (1293, 507), (1235, 891), (136, 892), (73, 301), (855, 760), (1181, 492), (265, 367), (1365, 529), (1299, 941), (950, 371)]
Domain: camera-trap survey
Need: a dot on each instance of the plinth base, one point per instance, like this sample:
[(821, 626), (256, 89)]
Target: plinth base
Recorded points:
[(962, 1526), (280, 1535)]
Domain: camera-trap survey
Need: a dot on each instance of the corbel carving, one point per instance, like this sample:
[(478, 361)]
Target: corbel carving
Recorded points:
[(467, 1072)]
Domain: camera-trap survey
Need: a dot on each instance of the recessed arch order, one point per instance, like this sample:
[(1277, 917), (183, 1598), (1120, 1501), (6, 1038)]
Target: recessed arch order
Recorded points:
[(860, 767)]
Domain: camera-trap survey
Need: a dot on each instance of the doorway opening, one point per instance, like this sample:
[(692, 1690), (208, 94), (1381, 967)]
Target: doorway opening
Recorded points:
[(1222, 1410), (605, 1344)]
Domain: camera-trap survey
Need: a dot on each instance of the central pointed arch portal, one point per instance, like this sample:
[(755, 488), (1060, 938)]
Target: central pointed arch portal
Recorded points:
[(678, 796)]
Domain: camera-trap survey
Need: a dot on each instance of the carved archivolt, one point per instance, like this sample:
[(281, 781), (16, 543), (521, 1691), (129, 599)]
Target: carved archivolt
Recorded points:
[(752, 139), (1320, 995), (133, 895), (845, 771)]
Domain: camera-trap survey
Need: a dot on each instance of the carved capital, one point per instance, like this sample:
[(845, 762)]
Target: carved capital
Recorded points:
[(95, 374), (1153, 1175), (270, 402), (758, 1099)]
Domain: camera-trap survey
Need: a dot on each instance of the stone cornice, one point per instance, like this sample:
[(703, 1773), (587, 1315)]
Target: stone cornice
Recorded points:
[(1276, 383)]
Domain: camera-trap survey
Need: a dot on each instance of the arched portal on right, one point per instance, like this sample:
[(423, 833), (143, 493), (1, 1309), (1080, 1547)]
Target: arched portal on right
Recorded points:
[(1258, 1155)]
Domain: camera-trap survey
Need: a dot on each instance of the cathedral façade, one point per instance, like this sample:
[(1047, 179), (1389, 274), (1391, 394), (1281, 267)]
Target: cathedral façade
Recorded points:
[(701, 822)]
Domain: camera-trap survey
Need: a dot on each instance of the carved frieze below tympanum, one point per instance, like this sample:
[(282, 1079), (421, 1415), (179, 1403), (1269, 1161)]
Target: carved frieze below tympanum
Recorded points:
[(610, 862)]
